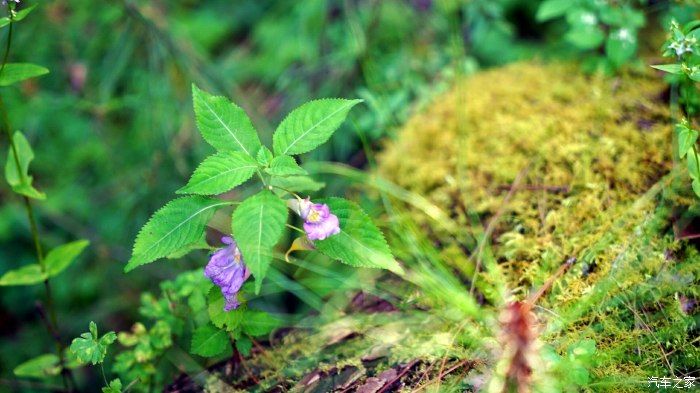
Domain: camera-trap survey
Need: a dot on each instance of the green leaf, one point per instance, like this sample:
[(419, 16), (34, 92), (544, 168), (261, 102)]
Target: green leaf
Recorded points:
[(284, 166), (42, 366), (264, 156), (26, 275), (62, 256), (88, 348), (578, 375), (257, 226), (694, 74), (585, 37), (223, 124), (693, 166), (179, 223), (296, 184), (550, 9), (582, 351), (675, 69), (229, 320), (21, 14), (258, 323), (115, 386), (199, 244), (686, 138), (621, 46), (696, 187), (244, 345), (360, 242), (310, 125), (209, 341), (17, 72), (220, 173), (18, 177)]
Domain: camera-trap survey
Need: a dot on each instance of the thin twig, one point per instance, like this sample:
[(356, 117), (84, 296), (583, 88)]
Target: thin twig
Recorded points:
[(492, 226)]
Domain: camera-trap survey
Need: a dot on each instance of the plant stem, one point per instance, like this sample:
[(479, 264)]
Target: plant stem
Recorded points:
[(104, 377), (262, 179), (52, 324)]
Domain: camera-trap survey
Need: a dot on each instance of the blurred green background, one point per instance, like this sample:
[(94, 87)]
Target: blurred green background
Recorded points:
[(113, 128)]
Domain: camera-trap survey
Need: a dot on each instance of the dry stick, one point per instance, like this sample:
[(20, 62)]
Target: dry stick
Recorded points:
[(65, 373), (448, 371), (535, 187), (562, 269), (405, 370), (245, 366), (425, 374), (492, 225)]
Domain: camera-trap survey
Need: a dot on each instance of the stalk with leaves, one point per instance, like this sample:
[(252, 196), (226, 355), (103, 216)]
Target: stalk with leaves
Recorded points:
[(54, 262), (684, 74)]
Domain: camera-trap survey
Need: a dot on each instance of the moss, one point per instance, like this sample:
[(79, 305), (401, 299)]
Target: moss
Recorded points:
[(558, 165)]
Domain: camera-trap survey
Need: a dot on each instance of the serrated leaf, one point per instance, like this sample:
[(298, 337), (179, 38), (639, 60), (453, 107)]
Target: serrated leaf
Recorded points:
[(26, 275), (115, 386), (264, 156), (284, 166), (199, 244), (258, 323), (18, 177), (17, 72), (88, 348), (220, 173), (257, 225), (310, 125), (686, 139), (179, 223), (229, 320), (209, 341), (675, 69), (62, 256), (42, 366), (360, 242), (223, 124), (550, 9)]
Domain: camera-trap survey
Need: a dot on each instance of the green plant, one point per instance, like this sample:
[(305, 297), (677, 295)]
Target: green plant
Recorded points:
[(19, 157), (606, 32), (683, 45)]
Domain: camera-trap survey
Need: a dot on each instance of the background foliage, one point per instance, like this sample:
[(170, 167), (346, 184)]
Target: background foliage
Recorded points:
[(114, 135)]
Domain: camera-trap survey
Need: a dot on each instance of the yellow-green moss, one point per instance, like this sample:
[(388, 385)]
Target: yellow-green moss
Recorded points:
[(564, 163), (604, 140)]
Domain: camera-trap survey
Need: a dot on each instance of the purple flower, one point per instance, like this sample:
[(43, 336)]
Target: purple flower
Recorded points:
[(319, 223), (227, 270)]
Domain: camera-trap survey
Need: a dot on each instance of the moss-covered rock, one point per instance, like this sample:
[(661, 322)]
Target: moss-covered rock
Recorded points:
[(558, 165)]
